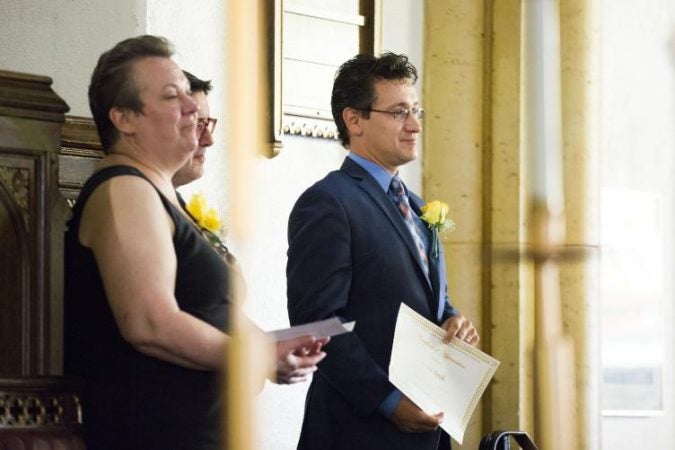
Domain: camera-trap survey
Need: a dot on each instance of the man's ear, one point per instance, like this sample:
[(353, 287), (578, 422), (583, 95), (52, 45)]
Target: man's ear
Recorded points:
[(352, 118), (122, 119)]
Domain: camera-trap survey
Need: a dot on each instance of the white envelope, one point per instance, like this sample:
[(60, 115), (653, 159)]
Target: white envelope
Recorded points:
[(322, 328)]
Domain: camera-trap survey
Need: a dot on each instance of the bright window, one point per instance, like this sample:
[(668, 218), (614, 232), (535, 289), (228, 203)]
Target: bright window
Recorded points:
[(637, 140)]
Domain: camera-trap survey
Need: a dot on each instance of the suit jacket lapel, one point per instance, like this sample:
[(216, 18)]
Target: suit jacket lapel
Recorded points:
[(375, 192)]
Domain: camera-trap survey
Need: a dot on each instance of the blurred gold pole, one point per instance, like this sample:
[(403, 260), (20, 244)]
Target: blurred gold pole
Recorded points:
[(555, 395), (555, 387), (248, 357)]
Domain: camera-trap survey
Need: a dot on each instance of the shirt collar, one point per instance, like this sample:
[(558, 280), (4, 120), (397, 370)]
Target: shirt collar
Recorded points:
[(375, 170)]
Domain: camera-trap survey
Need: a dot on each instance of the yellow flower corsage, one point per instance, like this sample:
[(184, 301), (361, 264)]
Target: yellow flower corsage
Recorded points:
[(206, 217), (435, 214)]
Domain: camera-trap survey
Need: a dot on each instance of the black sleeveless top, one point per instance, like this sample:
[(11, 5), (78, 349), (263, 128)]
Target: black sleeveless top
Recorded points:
[(134, 401)]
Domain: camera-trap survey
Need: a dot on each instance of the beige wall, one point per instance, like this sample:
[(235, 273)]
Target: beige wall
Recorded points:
[(53, 38)]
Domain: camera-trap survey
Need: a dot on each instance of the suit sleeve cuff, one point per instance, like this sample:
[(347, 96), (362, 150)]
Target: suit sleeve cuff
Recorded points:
[(388, 406), (448, 311)]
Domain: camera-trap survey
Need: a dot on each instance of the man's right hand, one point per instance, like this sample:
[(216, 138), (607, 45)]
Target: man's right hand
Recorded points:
[(410, 419)]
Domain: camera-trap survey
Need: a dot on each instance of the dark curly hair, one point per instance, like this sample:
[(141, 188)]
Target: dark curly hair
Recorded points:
[(113, 84), (354, 85), (197, 84)]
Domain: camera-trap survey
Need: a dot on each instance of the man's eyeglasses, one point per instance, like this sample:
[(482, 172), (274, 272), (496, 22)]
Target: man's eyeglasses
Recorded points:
[(205, 124), (401, 114)]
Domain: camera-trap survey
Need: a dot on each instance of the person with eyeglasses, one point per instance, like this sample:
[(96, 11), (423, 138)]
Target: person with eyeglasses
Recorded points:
[(291, 354), (193, 169), (357, 250), (146, 298)]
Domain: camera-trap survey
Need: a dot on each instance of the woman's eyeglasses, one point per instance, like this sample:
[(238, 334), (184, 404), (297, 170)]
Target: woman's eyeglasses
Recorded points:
[(208, 123)]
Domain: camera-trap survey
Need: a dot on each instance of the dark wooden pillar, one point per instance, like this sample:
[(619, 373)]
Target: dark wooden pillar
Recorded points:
[(31, 115)]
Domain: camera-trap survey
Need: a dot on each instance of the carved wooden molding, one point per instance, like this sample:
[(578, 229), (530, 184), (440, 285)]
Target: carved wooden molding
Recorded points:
[(30, 96), (39, 403), (16, 181)]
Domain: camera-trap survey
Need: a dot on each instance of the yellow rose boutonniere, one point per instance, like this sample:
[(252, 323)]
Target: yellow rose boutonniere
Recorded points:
[(435, 214), (207, 218)]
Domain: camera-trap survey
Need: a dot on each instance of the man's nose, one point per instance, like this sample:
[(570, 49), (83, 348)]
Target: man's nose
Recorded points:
[(413, 124)]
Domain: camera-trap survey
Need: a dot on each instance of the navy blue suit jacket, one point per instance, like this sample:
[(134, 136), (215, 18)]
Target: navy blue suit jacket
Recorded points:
[(351, 255)]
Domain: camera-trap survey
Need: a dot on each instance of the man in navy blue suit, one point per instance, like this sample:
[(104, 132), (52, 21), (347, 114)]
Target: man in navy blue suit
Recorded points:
[(357, 249)]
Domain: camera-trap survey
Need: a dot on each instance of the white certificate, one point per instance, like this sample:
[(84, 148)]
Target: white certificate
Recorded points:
[(438, 377)]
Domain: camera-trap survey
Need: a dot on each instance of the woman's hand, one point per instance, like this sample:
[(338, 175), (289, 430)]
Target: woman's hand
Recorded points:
[(297, 358)]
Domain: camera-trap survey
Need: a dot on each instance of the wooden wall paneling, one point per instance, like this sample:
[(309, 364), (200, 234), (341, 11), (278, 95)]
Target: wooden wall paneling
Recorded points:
[(31, 115)]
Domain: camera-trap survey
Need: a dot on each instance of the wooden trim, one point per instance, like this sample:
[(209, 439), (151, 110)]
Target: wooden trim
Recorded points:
[(30, 96), (79, 154), (370, 34), (79, 136)]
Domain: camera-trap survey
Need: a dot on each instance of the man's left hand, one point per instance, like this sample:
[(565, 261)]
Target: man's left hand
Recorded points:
[(460, 327)]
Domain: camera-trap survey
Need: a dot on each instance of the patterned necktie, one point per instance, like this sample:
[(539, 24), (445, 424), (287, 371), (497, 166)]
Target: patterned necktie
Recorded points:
[(397, 191)]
